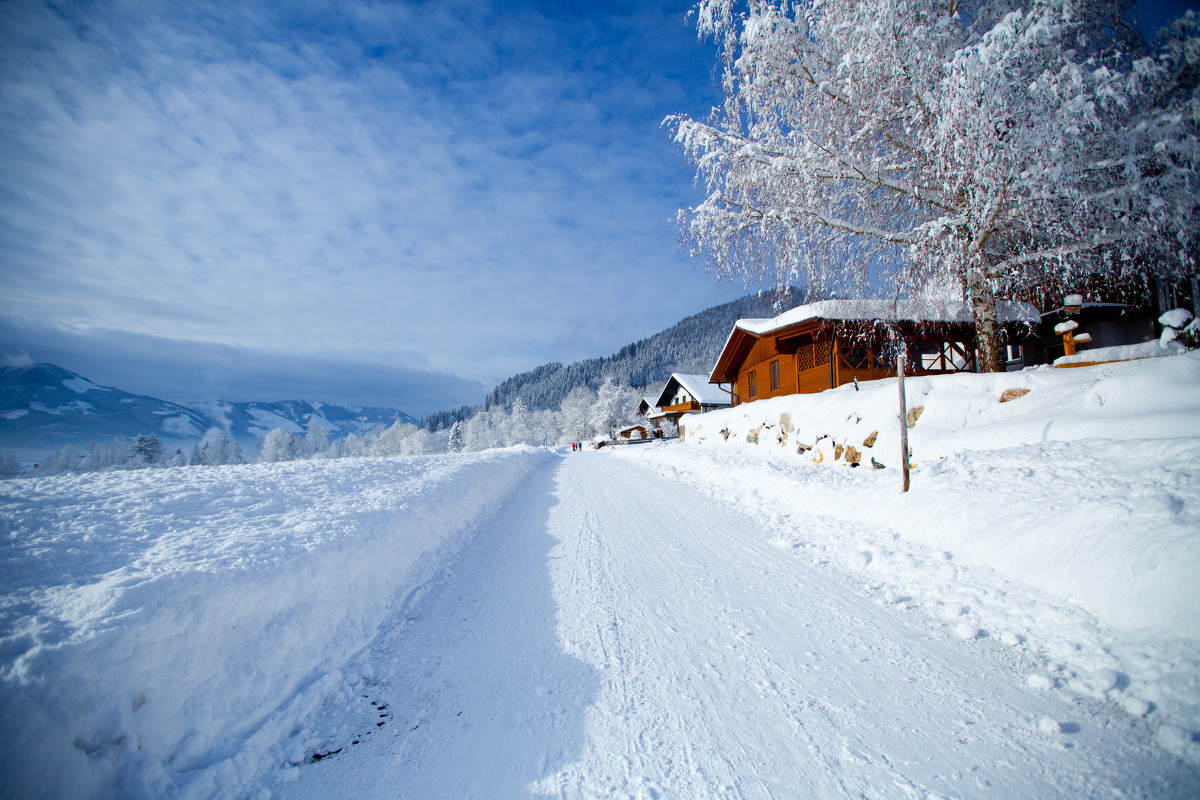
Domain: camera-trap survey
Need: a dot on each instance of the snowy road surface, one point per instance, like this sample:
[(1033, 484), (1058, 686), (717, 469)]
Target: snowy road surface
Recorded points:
[(612, 633)]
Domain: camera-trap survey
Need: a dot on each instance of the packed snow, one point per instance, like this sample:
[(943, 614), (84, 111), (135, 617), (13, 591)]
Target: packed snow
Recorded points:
[(164, 630), (740, 614), (1055, 509)]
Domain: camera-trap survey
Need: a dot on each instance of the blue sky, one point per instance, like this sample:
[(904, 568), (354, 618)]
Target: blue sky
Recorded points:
[(381, 203), (371, 202)]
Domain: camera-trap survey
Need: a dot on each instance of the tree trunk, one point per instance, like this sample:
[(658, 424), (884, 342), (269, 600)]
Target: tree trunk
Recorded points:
[(987, 326)]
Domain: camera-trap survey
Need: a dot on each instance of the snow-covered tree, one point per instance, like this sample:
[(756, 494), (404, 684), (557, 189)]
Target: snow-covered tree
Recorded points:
[(575, 414), (216, 448), (518, 429), (418, 442), (316, 442), (353, 446), (545, 427), (402, 439), (479, 432), (455, 441), (614, 408), (66, 459), (146, 451), (277, 445), (868, 148)]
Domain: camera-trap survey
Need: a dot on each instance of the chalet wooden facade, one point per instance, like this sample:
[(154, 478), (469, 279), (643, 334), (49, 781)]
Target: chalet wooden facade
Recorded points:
[(834, 342), (689, 394)]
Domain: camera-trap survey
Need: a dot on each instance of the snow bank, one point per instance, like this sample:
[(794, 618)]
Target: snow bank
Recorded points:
[(162, 631), (1057, 510)]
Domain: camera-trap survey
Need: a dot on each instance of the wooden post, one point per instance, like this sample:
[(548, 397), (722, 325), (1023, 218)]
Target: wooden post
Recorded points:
[(1067, 331), (901, 353)]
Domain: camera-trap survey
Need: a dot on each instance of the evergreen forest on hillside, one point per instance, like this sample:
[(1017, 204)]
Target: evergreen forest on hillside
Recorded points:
[(690, 346)]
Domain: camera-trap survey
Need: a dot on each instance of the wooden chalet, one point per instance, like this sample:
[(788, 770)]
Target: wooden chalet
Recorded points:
[(830, 343), (646, 407), (689, 394), (650, 413), (634, 432)]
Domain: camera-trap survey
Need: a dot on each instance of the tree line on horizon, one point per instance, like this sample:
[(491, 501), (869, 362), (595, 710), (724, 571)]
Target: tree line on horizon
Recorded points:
[(583, 415)]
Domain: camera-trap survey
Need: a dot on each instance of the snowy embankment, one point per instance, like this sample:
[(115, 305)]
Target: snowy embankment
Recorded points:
[(162, 631), (1057, 510)]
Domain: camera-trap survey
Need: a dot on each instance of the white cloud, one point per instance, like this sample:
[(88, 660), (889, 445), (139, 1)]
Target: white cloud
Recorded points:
[(21, 360), (448, 186)]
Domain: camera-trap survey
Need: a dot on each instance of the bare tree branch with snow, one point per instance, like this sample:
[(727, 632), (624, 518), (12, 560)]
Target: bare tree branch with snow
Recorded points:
[(873, 148)]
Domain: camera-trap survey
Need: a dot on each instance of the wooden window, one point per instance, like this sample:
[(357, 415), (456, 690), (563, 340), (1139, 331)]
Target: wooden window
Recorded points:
[(775, 375), (855, 356), (753, 385)]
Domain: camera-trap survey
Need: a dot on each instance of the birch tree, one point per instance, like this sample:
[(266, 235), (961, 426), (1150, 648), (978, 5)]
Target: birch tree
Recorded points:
[(873, 148), (575, 414)]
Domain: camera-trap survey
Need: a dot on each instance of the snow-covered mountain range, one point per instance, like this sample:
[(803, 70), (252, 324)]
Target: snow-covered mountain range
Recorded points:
[(44, 407)]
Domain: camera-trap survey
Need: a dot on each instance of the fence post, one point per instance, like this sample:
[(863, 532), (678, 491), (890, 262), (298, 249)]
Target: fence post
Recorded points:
[(901, 353)]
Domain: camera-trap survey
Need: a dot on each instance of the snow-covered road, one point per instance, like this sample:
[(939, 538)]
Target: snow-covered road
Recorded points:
[(612, 633)]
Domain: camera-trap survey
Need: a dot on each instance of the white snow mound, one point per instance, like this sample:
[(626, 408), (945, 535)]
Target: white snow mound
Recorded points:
[(162, 630)]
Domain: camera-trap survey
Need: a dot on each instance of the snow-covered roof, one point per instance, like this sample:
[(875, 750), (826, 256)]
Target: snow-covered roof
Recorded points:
[(883, 310), (1061, 310), (699, 388)]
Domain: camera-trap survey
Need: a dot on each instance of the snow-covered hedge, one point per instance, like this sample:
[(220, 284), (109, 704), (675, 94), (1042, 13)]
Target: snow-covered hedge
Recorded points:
[(161, 631)]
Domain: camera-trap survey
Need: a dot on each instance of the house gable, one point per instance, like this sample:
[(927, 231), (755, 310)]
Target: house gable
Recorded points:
[(834, 342)]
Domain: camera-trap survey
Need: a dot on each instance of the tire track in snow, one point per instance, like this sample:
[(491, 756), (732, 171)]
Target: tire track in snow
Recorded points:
[(484, 701), (749, 673), (616, 634)]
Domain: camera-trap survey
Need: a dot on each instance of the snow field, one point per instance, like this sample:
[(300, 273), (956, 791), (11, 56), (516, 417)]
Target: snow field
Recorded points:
[(1064, 523), (162, 632)]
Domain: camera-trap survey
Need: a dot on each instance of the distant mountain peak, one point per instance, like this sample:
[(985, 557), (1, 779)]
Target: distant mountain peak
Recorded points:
[(44, 407)]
